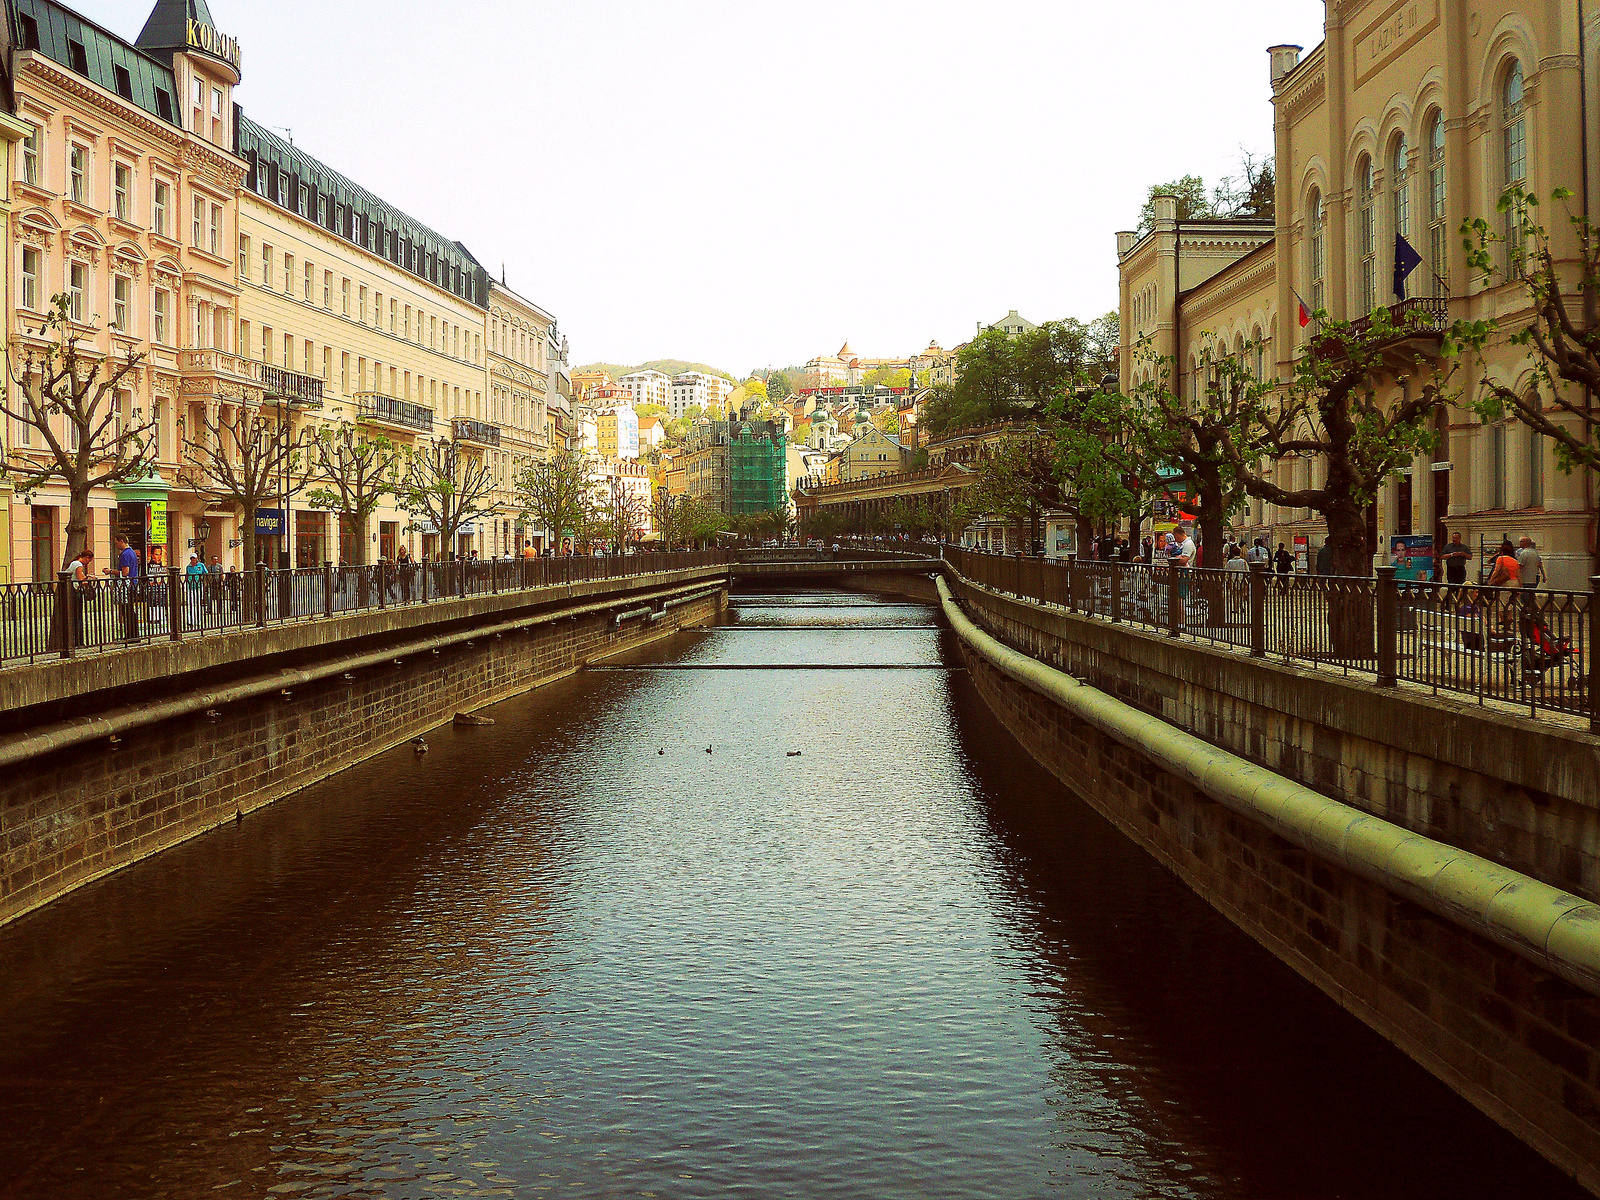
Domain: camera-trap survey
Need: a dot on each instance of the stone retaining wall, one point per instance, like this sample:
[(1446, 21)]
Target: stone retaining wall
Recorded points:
[(1521, 1045), (71, 816)]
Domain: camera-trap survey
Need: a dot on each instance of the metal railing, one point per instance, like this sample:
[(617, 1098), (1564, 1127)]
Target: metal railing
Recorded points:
[(40, 621), (468, 429), (296, 387), (372, 406), (1519, 646)]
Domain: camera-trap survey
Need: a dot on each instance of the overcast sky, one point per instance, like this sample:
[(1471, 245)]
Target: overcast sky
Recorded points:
[(750, 182)]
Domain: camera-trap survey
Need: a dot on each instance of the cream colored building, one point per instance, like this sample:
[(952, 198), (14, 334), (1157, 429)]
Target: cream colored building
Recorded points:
[(123, 198), (389, 316), (519, 393), (649, 387), (1408, 119)]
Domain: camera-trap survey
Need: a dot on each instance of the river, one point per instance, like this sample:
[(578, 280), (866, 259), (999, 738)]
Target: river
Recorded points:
[(578, 955)]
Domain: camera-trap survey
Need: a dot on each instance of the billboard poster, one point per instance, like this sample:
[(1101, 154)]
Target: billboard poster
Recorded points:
[(158, 522), (1412, 556), (1302, 553)]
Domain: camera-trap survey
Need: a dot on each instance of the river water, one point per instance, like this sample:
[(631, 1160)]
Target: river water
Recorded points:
[(576, 955)]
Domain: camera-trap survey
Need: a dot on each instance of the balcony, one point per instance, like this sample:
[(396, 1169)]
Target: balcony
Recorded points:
[(465, 429), (1433, 315), (301, 391), (1424, 317), (375, 409), (216, 373)]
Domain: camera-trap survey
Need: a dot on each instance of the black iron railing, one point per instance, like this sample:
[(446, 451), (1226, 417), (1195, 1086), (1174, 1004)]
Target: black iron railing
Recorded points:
[(304, 390), (466, 429), (1518, 646), (373, 407), (63, 618)]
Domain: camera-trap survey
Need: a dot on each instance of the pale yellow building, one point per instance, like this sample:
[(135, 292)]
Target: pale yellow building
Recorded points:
[(1408, 119), (519, 390), (386, 315), (872, 454)]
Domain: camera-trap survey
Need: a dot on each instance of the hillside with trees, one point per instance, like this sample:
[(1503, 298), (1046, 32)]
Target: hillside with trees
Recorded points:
[(667, 366)]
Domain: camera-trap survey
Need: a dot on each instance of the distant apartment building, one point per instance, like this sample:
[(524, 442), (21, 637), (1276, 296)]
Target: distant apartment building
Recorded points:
[(1013, 325), (651, 433), (737, 467), (710, 392), (617, 432), (648, 387)]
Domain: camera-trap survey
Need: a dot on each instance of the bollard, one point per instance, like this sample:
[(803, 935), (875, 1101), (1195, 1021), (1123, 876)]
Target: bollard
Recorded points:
[(67, 613), (327, 588), (175, 604), (1589, 653), (1388, 614), (1258, 610), (1174, 604)]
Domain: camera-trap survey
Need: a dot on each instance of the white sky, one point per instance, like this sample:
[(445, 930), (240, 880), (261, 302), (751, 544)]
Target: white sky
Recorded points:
[(749, 182)]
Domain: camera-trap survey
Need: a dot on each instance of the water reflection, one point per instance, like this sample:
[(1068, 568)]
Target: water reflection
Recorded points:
[(574, 954)]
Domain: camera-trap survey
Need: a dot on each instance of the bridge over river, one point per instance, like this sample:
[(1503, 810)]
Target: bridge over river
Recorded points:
[(765, 898)]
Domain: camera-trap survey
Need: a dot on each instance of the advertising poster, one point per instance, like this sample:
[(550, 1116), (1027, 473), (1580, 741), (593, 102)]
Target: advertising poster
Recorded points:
[(1412, 557), (1302, 553), (158, 522)]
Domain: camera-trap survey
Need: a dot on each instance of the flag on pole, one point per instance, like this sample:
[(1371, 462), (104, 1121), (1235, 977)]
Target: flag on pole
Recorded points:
[(1406, 260), (1305, 313)]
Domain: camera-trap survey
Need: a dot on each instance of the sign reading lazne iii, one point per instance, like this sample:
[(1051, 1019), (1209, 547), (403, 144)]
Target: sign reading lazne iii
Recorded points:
[(219, 45)]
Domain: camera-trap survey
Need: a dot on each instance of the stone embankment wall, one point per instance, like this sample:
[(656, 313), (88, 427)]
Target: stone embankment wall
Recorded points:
[(1519, 1043), (78, 809)]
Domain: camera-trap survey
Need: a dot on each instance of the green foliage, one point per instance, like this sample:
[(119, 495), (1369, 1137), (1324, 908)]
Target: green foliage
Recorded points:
[(354, 472), (1192, 200), (895, 377), (887, 420), (779, 387), (650, 410), (443, 486), (557, 494), (1004, 377), (1562, 341)]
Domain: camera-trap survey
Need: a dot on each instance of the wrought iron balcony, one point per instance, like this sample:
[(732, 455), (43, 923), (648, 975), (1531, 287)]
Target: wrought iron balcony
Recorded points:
[(1433, 315), (302, 390), (465, 429), (378, 409)]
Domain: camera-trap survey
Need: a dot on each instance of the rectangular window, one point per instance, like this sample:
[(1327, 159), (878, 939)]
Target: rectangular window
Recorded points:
[(327, 362), (305, 359), (361, 307), (344, 372), (78, 172), (216, 102), (288, 352), (288, 274), (158, 210), (310, 275), (244, 338), (121, 190), (78, 284), (163, 307), (30, 155), (266, 343), (305, 200), (158, 418), (346, 297), (408, 322), (327, 289), (361, 375), (394, 308), (198, 224), (30, 278), (121, 295)]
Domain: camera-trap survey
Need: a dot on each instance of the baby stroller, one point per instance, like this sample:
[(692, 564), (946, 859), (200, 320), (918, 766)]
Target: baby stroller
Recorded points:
[(1542, 650)]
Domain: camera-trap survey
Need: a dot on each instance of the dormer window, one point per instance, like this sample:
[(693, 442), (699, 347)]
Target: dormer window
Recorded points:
[(76, 58), (164, 105), (124, 82)]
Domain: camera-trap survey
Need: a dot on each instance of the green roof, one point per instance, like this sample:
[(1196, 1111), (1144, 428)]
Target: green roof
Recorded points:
[(97, 54)]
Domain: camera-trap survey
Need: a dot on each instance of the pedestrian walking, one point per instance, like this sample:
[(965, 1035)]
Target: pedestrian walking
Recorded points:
[(1285, 564), (83, 593), (194, 583)]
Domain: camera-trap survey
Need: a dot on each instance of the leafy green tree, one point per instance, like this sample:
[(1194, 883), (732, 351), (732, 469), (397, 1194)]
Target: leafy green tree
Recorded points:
[(1193, 201), (703, 522), (650, 410), (354, 473), (895, 377), (558, 494), (1563, 338), (887, 420), (1017, 482), (443, 486), (779, 387)]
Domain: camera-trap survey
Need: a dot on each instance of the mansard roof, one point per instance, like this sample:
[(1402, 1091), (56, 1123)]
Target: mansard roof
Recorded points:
[(278, 170), (167, 27), (57, 33)]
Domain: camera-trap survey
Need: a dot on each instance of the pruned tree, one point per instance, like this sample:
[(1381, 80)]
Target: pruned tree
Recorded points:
[(443, 486), (667, 513), (1562, 339), (1199, 439), (1017, 483), (65, 397), (623, 513), (558, 494), (352, 474), (244, 461)]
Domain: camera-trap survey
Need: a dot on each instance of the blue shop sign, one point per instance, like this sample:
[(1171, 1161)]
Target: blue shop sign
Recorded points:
[(269, 522)]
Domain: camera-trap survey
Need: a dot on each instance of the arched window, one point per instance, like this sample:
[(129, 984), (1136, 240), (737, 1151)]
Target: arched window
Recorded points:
[(1514, 139), (1260, 355), (1366, 236), (1438, 236), (1316, 257), (1399, 172), (1497, 466)]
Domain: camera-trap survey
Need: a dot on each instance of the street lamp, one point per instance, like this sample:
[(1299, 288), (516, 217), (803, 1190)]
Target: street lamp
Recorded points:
[(202, 533)]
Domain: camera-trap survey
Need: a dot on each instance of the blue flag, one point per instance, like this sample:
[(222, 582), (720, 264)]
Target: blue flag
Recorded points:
[(1406, 260)]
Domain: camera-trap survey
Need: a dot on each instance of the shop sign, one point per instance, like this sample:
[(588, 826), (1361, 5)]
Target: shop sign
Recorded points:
[(219, 45), (269, 522)]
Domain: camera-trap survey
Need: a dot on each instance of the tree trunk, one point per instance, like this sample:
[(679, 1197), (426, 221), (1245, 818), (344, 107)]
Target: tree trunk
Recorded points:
[(247, 535), (77, 539), (358, 522), (1209, 519), (1351, 615), (1085, 537)]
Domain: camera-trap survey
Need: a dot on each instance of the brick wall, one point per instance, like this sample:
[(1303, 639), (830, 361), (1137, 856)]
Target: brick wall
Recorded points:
[(69, 817), (1518, 1043)]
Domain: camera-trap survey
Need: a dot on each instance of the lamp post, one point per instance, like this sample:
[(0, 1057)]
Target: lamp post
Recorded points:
[(202, 534)]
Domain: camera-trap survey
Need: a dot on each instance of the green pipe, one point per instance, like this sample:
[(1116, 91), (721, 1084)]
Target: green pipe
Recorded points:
[(1554, 929)]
